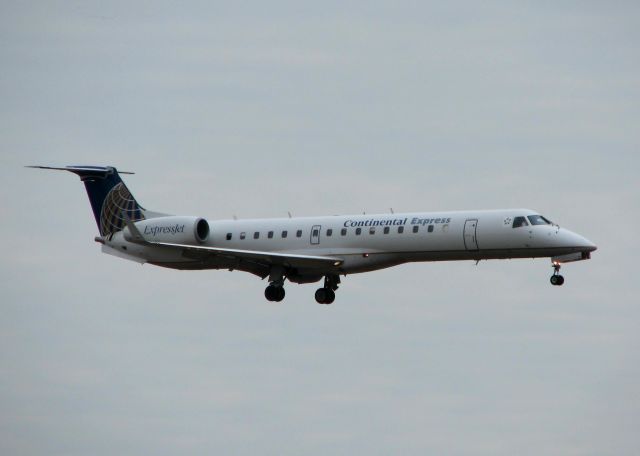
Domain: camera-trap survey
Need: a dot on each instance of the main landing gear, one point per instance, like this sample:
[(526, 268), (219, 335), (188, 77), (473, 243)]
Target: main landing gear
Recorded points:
[(556, 278), (326, 294), (275, 290)]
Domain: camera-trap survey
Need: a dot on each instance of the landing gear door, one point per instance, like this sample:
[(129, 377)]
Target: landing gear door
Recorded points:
[(470, 231), (315, 234)]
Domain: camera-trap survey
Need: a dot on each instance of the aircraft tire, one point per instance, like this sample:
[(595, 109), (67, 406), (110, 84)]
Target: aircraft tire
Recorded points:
[(556, 279), (325, 296), (330, 296), (268, 293), (274, 293)]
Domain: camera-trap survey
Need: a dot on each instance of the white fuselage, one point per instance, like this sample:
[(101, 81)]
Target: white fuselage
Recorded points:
[(364, 242)]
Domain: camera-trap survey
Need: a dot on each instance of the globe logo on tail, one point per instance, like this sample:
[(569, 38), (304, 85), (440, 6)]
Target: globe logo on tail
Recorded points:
[(118, 200)]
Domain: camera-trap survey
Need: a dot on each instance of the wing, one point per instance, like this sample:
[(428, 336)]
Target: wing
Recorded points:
[(287, 260)]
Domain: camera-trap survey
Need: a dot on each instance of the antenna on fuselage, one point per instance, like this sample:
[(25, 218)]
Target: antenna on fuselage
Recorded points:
[(288, 212), (391, 209)]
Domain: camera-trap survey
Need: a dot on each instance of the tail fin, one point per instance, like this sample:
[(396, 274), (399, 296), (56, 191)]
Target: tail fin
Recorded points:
[(108, 195)]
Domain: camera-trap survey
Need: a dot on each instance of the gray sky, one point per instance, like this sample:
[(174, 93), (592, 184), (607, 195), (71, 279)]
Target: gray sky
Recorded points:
[(259, 109)]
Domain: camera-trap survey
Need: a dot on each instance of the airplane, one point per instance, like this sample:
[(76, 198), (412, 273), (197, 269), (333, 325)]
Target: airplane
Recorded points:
[(309, 249)]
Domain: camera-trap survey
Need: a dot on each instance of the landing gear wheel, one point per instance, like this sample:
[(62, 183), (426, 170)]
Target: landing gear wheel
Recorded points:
[(269, 293), (331, 296), (325, 295), (274, 293)]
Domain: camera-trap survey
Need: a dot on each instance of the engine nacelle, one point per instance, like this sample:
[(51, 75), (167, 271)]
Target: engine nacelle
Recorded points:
[(172, 229)]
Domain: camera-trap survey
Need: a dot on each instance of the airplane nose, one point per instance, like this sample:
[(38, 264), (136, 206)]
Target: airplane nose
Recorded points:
[(570, 239), (590, 246), (585, 244)]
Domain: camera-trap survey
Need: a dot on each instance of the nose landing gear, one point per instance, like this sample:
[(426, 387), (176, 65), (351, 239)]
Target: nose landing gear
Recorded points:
[(556, 278), (326, 294)]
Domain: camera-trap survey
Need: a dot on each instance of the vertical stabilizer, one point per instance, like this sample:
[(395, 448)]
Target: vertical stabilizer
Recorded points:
[(109, 196)]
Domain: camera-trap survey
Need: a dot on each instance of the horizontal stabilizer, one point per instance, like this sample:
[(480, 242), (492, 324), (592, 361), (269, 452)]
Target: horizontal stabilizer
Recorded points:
[(80, 169)]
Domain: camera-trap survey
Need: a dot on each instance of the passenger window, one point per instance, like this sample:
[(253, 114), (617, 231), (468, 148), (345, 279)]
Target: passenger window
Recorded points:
[(538, 220), (299, 233), (284, 234), (329, 232), (243, 235), (256, 235), (430, 229), (415, 228), (343, 232), (270, 234), (358, 231), (519, 221), (386, 230), (316, 233), (401, 229), (229, 236), (372, 230)]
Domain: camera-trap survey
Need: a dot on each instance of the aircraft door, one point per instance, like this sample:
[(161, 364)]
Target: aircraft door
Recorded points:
[(315, 234), (470, 231)]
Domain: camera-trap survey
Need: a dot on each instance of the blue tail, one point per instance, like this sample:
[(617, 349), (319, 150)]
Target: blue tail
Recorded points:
[(110, 198)]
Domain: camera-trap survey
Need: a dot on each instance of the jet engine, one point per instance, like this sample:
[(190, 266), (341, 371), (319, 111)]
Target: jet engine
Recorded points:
[(172, 229)]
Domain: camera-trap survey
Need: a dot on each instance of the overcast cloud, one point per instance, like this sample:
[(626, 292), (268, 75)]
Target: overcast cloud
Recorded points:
[(256, 109)]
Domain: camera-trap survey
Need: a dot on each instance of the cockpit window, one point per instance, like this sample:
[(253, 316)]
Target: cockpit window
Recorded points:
[(519, 221), (538, 220)]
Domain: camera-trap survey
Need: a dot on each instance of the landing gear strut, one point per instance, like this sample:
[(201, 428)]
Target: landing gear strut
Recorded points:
[(275, 290), (326, 294), (556, 278)]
